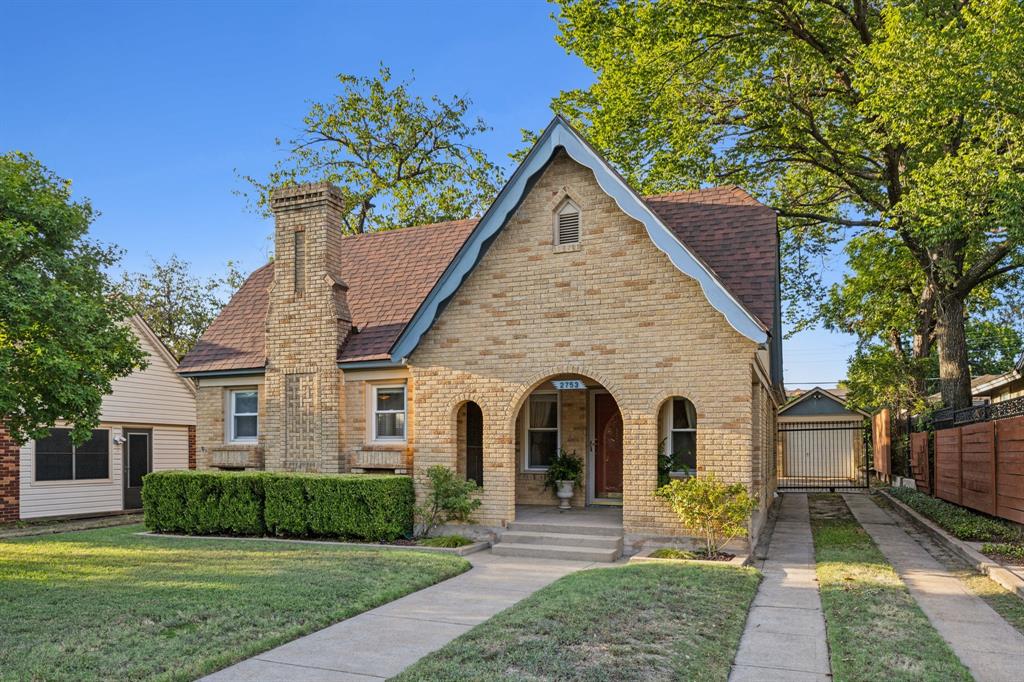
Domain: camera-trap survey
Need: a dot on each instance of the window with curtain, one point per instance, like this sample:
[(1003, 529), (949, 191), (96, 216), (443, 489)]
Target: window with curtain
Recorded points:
[(682, 437), (57, 459), (244, 416), (541, 430), (389, 413)]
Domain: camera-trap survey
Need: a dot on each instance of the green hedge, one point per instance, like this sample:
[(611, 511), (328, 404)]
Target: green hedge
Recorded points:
[(358, 507)]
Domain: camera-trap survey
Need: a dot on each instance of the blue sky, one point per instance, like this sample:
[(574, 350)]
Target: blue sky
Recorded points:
[(150, 107)]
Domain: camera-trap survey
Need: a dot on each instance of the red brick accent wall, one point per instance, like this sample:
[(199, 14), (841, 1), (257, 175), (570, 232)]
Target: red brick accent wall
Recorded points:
[(192, 447), (10, 486)]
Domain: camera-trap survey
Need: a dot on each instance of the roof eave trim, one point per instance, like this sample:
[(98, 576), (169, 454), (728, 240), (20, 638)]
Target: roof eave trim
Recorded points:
[(253, 371), (560, 134), (998, 382), (370, 364), (828, 394)]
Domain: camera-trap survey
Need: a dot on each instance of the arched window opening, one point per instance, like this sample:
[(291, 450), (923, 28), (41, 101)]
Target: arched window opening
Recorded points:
[(679, 439), (471, 442)]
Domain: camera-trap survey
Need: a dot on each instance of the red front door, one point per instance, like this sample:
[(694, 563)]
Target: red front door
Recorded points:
[(608, 447)]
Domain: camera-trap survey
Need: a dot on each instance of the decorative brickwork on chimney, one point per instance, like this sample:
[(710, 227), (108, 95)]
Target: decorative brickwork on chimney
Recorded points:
[(307, 320), (10, 486), (192, 447)]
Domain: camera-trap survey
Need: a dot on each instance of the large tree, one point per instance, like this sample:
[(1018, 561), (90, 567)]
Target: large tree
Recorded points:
[(176, 304), (899, 122), (399, 159), (63, 336)]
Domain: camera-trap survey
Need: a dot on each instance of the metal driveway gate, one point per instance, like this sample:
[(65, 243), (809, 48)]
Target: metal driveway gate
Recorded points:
[(822, 455)]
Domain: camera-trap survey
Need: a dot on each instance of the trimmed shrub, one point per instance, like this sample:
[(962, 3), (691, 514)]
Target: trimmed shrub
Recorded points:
[(351, 506), (204, 502), (354, 506)]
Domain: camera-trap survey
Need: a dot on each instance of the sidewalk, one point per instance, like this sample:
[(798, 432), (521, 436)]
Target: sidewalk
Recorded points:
[(384, 641), (785, 634), (989, 646)]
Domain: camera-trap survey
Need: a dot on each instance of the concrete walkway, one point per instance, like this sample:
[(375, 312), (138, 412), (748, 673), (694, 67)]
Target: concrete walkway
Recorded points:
[(785, 634), (384, 641), (989, 646)]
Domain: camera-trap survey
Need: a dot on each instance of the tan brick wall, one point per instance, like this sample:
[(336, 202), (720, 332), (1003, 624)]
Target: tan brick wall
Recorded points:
[(306, 321), (212, 446), (357, 449), (615, 310)]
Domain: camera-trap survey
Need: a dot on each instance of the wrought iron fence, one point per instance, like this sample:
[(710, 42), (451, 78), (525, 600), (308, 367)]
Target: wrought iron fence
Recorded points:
[(948, 417)]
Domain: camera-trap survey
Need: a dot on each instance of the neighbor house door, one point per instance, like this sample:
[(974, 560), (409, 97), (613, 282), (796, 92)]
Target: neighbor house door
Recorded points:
[(138, 461), (607, 447)]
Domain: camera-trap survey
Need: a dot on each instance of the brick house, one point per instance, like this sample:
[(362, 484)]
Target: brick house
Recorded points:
[(574, 314)]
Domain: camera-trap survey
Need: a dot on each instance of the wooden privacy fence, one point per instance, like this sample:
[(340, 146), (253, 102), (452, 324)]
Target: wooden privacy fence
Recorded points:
[(881, 443), (920, 467), (981, 466)]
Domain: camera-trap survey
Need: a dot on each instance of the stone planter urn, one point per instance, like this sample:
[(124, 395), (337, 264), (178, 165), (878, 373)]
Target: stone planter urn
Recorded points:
[(564, 493)]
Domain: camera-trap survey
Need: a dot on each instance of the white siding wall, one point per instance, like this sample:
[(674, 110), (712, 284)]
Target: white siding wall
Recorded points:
[(155, 395)]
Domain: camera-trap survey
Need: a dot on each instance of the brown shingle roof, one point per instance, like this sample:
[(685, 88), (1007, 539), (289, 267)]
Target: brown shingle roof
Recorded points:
[(732, 233), (235, 340), (390, 273)]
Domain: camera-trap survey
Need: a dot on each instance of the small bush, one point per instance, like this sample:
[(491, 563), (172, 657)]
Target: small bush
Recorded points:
[(298, 505), (715, 511), (564, 466), (962, 523), (449, 498), (446, 541)]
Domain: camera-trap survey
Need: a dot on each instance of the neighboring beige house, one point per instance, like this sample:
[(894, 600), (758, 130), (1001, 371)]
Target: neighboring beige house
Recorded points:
[(147, 423), (574, 314), (996, 388)]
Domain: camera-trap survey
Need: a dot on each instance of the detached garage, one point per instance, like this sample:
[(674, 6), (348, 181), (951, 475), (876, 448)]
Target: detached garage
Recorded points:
[(147, 423), (821, 442)]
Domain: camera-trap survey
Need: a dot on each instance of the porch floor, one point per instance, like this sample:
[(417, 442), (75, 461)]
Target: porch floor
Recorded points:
[(577, 516)]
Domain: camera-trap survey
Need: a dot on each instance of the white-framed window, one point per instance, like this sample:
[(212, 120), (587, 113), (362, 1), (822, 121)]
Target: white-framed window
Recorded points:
[(681, 436), (542, 438), (58, 459), (567, 224), (243, 405), (389, 410)]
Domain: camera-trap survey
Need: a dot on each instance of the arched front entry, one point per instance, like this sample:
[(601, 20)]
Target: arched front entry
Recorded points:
[(577, 415)]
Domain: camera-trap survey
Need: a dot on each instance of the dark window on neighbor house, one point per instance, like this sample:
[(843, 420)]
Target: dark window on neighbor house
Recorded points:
[(57, 459)]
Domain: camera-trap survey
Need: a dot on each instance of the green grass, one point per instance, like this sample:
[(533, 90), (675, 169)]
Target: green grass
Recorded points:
[(109, 604), (449, 541), (961, 523), (639, 622), (875, 628)]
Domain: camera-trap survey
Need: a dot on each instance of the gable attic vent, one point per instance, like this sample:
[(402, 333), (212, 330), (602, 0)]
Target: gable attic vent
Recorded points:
[(568, 227)]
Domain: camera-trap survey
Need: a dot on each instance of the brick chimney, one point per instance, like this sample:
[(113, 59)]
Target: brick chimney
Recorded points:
[(307, 321)]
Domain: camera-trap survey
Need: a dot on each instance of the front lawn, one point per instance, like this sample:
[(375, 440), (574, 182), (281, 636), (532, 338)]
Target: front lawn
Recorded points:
[(875, 628), (109, 604), (639, 622)]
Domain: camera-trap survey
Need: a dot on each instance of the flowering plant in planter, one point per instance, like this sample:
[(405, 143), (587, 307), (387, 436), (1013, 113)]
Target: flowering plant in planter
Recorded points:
[(564, 466)]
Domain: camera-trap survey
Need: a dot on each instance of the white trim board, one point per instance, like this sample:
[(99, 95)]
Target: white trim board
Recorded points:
[(559, 134)]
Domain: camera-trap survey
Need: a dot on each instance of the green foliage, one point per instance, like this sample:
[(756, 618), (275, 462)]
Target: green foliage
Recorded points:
[(399, 159), (564, 466), (449, 541), (358, 506), (63, 337), (297, 505), (448, 499), (893, 127), (1010, 550), (714, 510), (962, 523), (176, 304)]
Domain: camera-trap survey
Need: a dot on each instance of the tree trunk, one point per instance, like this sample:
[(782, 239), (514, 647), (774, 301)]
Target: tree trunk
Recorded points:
[(954, 373)]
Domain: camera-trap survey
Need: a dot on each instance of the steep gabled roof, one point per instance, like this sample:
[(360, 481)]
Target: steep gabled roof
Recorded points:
[(398, 281), (828, 394)]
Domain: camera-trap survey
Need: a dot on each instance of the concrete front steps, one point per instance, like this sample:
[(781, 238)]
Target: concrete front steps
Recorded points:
[(566, 541)]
